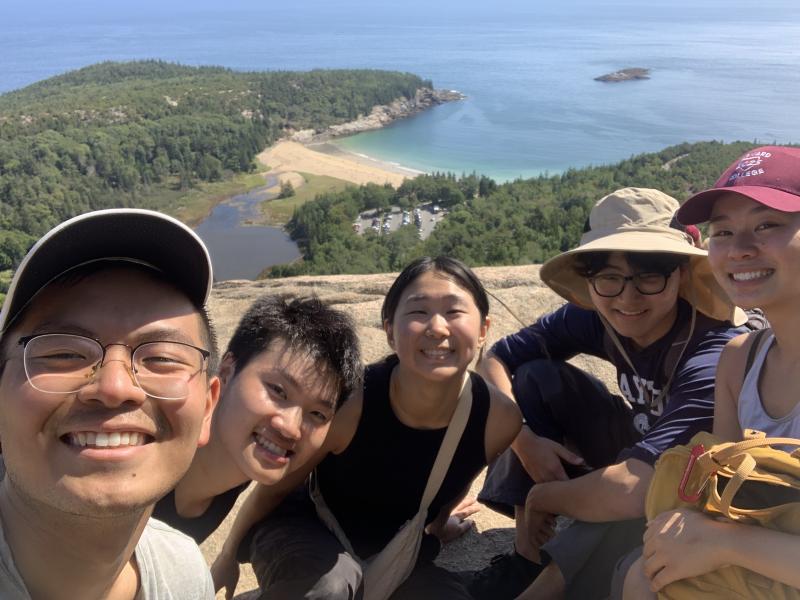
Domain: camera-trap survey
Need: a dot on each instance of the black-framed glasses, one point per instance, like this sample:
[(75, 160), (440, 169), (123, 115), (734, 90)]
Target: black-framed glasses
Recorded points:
[(62, 363), (647, 284)]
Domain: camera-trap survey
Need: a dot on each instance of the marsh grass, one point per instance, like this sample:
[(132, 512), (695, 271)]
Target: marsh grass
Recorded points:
[(193, 205), (279, 211)]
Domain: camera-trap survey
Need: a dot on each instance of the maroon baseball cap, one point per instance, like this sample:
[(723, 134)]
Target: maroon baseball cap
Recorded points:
[(769, 175)]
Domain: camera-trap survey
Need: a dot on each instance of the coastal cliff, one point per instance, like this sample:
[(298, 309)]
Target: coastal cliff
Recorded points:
[(381, 115)]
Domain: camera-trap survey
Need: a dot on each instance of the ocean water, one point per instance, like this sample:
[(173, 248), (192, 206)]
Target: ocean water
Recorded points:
[(721, 69)]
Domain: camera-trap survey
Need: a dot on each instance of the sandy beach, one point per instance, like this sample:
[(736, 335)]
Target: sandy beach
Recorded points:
[(285, 159)]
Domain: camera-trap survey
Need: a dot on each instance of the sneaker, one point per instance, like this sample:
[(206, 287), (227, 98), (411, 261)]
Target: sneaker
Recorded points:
[(506, 577)]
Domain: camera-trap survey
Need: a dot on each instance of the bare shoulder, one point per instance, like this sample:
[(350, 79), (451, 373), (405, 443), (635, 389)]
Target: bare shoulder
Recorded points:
[(730, 377), (345, 423), (734, 355), (503, 423), (741, 342), (501, 404)]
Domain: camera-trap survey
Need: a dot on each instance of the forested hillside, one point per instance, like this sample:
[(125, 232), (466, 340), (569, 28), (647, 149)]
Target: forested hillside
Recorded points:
[(117, 134), (520, 222)]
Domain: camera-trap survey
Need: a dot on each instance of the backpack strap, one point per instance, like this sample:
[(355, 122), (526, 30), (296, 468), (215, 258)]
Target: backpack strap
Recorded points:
[(758, 338), (721, 454)]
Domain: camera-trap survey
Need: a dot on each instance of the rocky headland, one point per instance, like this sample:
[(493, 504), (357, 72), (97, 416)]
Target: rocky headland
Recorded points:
[(381, 115), (518, 288), (625, 75)]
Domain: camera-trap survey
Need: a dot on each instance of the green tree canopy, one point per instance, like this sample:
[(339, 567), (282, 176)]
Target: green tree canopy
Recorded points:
[(116, 134), (520, 222)]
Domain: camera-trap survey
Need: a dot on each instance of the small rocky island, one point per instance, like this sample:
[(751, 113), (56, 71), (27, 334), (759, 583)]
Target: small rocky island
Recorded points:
[(625, 75)]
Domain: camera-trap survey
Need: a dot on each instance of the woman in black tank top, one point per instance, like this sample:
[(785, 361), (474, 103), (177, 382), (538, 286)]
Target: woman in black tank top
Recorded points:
[(375, 463)]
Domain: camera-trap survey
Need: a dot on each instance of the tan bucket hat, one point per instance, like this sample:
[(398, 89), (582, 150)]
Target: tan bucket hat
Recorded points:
[(638, 220)]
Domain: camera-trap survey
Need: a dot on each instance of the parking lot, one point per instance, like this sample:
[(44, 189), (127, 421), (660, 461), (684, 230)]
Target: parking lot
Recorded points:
[(424, 218)]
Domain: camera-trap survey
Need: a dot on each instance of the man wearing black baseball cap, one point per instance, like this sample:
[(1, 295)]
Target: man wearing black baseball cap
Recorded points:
[(106, 355)]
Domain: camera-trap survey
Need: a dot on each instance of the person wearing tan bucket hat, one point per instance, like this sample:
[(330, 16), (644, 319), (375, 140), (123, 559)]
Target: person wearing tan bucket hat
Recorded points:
[(641, 296)]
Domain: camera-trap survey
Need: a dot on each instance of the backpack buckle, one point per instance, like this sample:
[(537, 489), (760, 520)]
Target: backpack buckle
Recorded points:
[(696, 452)]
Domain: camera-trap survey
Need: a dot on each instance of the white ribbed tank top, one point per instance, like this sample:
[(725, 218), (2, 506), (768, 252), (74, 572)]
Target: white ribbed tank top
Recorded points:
[(751, 411)]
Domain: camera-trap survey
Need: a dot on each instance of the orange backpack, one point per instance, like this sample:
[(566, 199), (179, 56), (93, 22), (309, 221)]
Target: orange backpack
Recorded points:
[(752, 482)]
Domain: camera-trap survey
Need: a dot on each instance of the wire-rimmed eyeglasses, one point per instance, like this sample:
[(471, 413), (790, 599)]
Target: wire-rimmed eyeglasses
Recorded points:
[(62, 363)]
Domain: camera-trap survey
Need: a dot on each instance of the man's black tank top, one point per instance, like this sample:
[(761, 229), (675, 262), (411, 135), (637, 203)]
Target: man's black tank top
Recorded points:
[(376, 484)]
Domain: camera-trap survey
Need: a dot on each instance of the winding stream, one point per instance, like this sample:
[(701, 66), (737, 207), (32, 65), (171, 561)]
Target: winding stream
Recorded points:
[(241, 251)]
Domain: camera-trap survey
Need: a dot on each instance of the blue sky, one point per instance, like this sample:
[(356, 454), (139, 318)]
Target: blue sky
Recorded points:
[(36, 10)]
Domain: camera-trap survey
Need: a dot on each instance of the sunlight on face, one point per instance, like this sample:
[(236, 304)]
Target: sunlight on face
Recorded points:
[(755, 252), (142, 446), (642, 318), (275, 412), (437, 328)]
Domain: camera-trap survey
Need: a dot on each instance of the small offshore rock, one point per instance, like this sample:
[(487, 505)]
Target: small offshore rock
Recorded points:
[(625, 75)]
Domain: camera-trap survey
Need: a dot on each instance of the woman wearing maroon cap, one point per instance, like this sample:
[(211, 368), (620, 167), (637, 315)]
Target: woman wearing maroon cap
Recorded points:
[(754, 250)]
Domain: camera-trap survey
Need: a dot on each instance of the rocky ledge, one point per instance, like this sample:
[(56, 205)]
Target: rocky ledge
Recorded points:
[(382, 115), (625, 75), (516, 293)]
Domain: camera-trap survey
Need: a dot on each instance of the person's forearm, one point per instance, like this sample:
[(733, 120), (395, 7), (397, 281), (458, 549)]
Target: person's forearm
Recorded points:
[(436, 526), (771, 553), (524, 439), (613, 493), (493, 370)]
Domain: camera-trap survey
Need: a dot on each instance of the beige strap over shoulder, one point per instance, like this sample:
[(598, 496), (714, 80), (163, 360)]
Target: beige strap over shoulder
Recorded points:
[(384, 572)]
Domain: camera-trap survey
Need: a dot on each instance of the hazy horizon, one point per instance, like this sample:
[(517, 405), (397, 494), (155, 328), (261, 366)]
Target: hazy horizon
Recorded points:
[(720, 69)]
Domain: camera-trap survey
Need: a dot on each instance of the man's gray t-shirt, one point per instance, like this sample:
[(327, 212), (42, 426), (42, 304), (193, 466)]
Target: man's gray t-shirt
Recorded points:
[(171, 567), (174, 567)]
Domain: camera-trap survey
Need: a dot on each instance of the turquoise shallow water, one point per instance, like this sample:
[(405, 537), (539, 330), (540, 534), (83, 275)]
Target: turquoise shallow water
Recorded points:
[(720, 69)]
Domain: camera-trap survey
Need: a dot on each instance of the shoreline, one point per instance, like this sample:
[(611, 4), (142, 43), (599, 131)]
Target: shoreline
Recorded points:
[(286, 159), (381, 115), (331, 148), (317, 153)]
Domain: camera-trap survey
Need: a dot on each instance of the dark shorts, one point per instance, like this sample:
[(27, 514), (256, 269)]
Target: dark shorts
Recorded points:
[(588, 555), (295, 556), (621, 569), (567, 405)]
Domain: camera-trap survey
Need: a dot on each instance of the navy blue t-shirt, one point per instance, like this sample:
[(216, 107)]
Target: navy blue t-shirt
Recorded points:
[(663, 423)]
